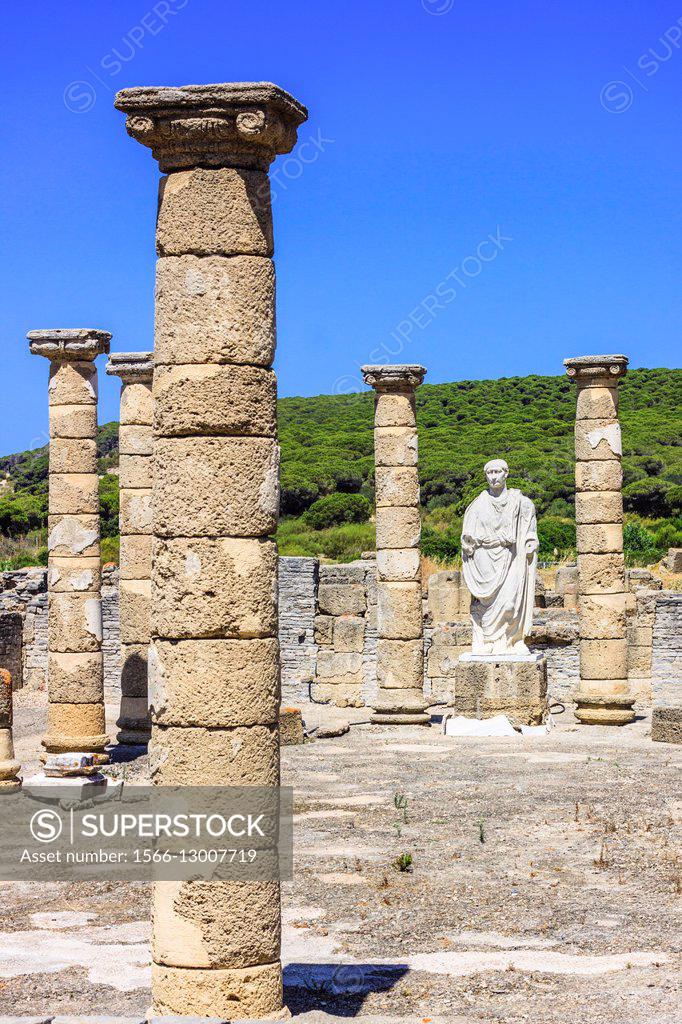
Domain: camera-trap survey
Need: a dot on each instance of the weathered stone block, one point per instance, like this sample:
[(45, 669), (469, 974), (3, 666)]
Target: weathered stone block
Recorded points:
[(597, 440), (602, 617), (397, 486), (201, 924), (75, 727), (639, 661), (75, 575), (399, 611), (603, 659), (518, 690), (673, 559), (599, 476), (395, 446), (394, 410), (597, 403), (137, 404), (74, 623), (229, 993), (341, 600), (135, 610), (341, 691), (398, 527), (443, 660), (135, 471), (601, 573), (72, 383), (602, 539), (291, 728), (136, 557), (566, 577), (136, 511), (214, 310), (206, 212), (216, 486), (74, 494), (599, 507), (210, 399), (215, 757), (349, 634), (444, 595), (400, 663), (666, 725), (331, 664), (239, 682), (324, 629), (399, 565), (135, 440), (75, 678), (74, 421), (73, 455), (640, 636), (73, 535), (214, 588)]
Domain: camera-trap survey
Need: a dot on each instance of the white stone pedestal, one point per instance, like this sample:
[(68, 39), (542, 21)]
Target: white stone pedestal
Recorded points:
[(514, 685)]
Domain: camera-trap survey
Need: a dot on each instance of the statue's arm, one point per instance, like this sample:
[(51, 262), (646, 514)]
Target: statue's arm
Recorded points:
[(528, 512)]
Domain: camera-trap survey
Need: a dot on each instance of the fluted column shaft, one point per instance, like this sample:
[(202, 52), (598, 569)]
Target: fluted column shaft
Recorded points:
[(214, 659), (135, 518), (603, 696), (76, 720), (400, 625)]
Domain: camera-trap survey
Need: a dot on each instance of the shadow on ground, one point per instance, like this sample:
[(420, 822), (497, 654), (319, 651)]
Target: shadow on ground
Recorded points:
[(338, 989)]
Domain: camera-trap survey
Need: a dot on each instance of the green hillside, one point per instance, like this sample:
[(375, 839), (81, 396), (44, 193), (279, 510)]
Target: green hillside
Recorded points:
[(327, 449)]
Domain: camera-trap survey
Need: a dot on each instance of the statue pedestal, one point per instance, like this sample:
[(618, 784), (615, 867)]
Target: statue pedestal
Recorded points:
[(514, 685)]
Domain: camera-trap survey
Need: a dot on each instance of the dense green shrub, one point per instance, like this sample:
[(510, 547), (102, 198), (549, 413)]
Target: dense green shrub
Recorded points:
[(108, 505), (647, 497), (637, 538), (669, 536), (336, 509), (21, 512), (555, 534), (442, 546)]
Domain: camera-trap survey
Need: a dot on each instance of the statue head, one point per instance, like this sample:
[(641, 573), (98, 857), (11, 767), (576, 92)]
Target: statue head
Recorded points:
[(496, 472)]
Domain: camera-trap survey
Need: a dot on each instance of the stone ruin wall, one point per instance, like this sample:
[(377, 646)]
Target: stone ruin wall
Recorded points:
[(328, 636)]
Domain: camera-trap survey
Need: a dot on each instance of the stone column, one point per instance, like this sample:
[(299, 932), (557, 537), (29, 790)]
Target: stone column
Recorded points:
[(214, 659), (76, 720), (603, 697), (135, 482), (9, 766), (400, 626)]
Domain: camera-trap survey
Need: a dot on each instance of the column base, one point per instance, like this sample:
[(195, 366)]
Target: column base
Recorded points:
[(126, 737), (238, 993), (604, 705), (58, 743), (400, 707)]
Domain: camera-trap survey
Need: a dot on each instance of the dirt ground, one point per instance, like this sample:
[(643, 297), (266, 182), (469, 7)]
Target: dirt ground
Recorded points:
[(545, 885)]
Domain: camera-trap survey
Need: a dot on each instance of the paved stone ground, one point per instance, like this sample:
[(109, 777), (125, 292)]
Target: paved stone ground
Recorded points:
[(546, 886)]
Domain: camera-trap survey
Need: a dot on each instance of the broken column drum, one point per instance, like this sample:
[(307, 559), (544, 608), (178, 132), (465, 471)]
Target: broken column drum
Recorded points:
[(135, 370), (75, 684), (400, 626), (214, 658), (603, 696)]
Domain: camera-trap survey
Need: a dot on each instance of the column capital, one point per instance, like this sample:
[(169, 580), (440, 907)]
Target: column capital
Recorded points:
[(131, 367), (399, 377), (596, 369), (232, 124), (69, 344)]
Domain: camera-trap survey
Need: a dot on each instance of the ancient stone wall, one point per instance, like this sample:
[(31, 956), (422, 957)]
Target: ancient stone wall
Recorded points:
[(667, 647), (298, 583)]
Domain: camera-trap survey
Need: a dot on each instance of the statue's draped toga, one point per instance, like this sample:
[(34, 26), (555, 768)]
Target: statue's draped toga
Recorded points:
[(499, 569)]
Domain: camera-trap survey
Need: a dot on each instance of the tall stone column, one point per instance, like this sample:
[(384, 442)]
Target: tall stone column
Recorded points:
[(400, 625), (214, 660), (76, 720), (603, 697), (135, 568)]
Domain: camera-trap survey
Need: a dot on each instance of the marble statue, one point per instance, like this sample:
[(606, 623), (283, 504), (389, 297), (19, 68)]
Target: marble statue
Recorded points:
[(499, 561)]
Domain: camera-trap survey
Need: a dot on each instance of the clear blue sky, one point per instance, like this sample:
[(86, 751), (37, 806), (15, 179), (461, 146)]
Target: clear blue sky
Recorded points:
[(438, 123)]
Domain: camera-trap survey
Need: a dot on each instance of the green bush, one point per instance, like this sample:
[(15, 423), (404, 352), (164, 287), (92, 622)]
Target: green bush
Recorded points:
[(637, 538), (110, 550), (21, 512), (108, 505), (338, 543), (648, 497), (336, 509), (555, 533), (441, 545), (669, 536)]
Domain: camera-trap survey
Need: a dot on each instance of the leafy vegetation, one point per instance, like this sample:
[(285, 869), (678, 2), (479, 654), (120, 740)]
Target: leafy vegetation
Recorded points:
[(328, 464)]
